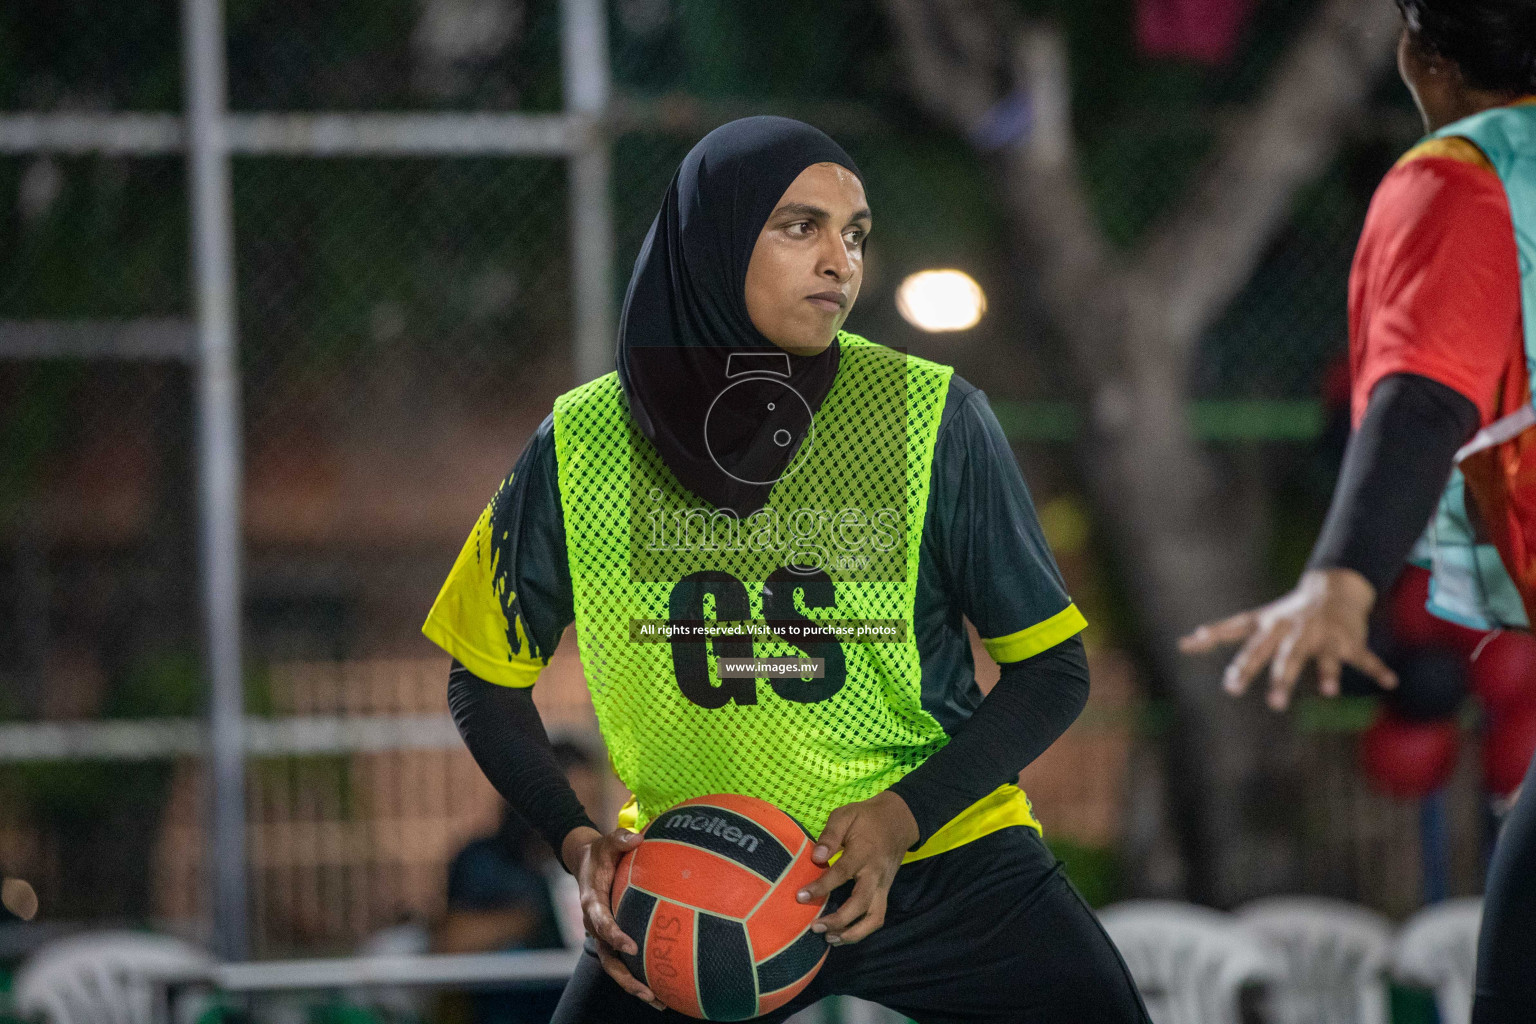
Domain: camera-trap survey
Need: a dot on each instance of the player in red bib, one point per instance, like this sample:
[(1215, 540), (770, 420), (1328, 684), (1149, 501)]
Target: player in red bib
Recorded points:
[(1437, 352)]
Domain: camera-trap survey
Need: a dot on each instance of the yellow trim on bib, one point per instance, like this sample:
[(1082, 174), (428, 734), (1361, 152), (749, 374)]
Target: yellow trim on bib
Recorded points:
[(629, 815), (1450, 148), (1003, 807), (517, 672), (1042, 636)]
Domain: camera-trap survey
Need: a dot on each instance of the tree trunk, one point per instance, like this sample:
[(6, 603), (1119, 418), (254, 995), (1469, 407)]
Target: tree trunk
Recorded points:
[(1188, 537)]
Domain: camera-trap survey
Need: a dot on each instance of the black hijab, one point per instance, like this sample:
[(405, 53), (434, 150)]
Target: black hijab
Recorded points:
[(685, 315)]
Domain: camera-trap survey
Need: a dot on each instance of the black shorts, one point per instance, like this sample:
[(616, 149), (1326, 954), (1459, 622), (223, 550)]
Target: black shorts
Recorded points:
[(1506, 945), (990, 931)]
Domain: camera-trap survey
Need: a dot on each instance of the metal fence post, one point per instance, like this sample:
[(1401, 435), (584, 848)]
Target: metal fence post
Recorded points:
[(584, 52), (219, 461)]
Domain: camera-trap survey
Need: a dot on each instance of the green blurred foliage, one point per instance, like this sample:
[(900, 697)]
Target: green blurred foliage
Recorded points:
[(164, 685), (340, 260), (167, 683), (1145, 125), (460, 261), (84, 807), (33, 428), (1097, 871), (1412, 1005), (805, 49), (340, 1013), (342, 53), (111, 242), (73, 53)]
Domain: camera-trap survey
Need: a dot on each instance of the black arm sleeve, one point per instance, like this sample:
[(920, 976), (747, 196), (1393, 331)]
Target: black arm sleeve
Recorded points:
[(503, 731), (1395, 468), (1033, 703)]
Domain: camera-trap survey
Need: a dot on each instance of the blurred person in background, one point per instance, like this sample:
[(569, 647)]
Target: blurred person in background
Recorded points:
[(502, 896), (945, 902), (1442, 299)]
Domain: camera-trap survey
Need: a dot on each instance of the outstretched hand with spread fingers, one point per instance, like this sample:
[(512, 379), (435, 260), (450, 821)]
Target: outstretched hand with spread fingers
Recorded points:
[(1323, 621)]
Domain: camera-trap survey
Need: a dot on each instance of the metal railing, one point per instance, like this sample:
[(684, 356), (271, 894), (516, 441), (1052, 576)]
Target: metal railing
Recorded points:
[(209, 135)]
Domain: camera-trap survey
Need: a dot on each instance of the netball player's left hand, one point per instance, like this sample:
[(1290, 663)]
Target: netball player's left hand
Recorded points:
[(872, 835), (1322, 621)]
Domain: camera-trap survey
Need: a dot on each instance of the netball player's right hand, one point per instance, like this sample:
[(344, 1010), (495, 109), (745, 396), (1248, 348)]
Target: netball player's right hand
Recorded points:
[(1323, 621), (593, 857)]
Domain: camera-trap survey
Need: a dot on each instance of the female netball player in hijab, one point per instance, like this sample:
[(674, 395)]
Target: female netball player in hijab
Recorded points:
[(1442, 320), (750, 460)]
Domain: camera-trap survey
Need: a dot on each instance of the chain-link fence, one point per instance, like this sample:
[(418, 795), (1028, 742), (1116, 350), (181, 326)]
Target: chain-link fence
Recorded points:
[(404, 323)]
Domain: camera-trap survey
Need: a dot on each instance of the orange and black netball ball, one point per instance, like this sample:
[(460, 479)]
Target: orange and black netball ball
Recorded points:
[(709, 897)]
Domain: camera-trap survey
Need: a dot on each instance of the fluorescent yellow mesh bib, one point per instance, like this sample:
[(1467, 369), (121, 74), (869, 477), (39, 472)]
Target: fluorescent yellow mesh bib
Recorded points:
[(645, 553)]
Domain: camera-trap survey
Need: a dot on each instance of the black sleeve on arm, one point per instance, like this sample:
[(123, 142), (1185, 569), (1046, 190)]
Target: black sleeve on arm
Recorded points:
[(997, 570), (1395, 468), (1033, 703), (503, 731)]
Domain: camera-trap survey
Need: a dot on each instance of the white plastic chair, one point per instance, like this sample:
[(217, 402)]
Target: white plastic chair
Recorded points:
[(1336, 956), (102, 978), (1437, 949), (1191, 964)]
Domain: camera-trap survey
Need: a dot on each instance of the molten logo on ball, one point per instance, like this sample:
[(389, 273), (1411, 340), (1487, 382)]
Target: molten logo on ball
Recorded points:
[(715, 826)]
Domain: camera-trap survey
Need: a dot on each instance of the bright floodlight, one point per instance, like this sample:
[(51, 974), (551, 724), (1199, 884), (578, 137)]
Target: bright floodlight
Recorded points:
[(941, 300)]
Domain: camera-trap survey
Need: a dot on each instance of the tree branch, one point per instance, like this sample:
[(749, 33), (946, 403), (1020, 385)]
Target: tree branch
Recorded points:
[(950, 83), (1188, 535), (1202, 257), (958, 68)]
